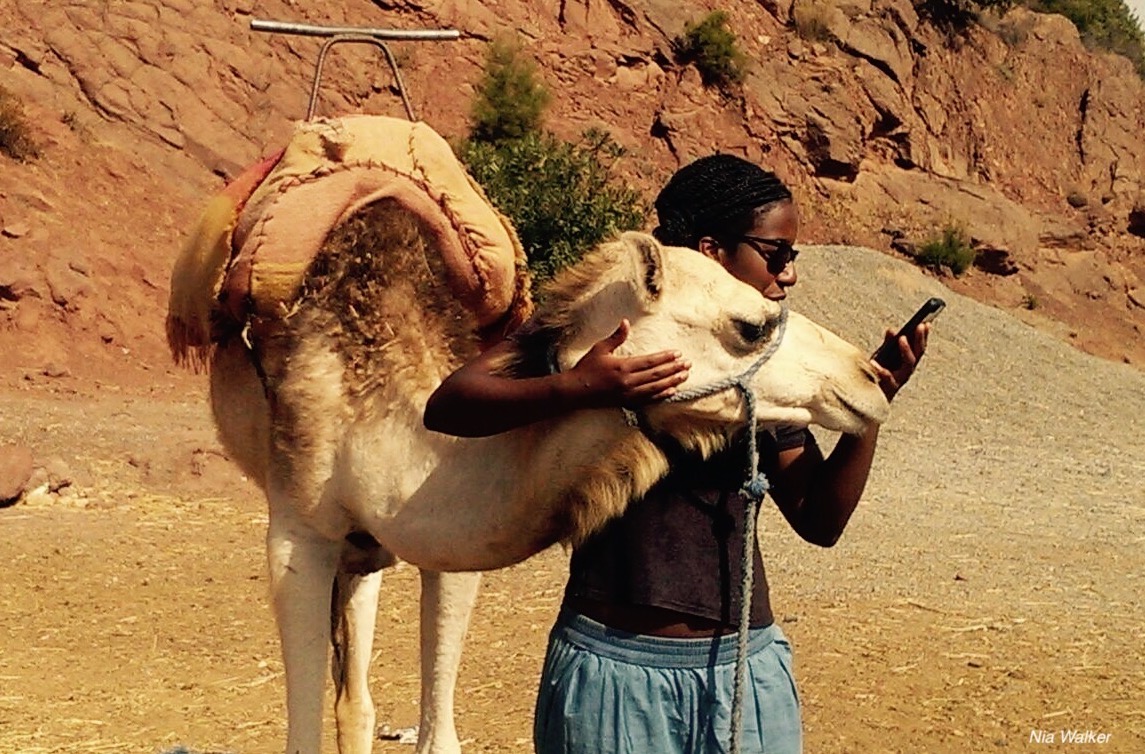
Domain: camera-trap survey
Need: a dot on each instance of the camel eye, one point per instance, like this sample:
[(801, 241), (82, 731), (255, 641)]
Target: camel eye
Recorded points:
[(752, 333)]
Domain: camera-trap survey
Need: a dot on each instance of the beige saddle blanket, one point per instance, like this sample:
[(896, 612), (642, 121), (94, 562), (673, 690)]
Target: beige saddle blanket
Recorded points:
[(255, 240)]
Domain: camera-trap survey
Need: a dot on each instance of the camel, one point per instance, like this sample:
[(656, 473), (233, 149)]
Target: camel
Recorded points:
[(322, 408)]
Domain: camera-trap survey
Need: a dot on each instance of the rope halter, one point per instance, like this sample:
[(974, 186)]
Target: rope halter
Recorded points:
[(756, 484)]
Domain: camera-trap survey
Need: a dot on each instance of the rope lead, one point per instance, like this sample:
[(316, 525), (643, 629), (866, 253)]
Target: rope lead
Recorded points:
[(755, 486)]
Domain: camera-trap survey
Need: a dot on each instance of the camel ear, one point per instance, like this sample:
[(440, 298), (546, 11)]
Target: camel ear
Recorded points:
[(648, 257)]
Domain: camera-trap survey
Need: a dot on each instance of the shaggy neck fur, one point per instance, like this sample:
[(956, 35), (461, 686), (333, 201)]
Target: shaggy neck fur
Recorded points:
[(563, 480)]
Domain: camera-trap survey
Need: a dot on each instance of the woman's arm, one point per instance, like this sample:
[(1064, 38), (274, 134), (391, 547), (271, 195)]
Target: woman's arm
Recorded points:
[(476, 402), (817, 495)]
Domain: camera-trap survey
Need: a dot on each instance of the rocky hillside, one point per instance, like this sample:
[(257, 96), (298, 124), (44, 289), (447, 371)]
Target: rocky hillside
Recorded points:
[(886, 128)]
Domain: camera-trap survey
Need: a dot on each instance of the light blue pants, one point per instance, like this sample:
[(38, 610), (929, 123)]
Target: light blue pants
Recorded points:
[(611, 692)]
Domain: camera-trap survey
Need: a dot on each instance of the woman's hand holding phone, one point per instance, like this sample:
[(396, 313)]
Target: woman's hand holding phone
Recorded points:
[(897, 357)]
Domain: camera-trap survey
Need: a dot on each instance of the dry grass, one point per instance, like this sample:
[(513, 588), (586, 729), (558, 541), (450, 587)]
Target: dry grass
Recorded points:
[(15, 132), (812, 20)]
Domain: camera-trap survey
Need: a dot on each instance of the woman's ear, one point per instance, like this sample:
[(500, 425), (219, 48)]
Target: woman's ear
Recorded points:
[(709, 247)]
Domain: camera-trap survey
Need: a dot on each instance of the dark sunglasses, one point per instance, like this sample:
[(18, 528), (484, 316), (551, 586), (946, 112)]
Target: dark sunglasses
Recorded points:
[(777, 252)]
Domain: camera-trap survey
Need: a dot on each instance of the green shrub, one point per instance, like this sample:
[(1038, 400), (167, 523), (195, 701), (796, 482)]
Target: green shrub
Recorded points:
[(563, 198), (711, 46), (1103, 24), (1029, 302), (510, 100), (949, 249), (15, 133)]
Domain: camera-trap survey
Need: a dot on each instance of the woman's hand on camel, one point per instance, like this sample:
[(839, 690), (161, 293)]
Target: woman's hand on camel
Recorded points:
[(911, 349), (606, 379)]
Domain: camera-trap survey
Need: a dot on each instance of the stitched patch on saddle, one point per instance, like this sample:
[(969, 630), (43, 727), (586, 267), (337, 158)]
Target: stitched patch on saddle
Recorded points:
[(330, 169)]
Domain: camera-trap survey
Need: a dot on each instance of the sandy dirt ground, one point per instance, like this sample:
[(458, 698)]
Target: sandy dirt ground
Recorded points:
[(987, 593)]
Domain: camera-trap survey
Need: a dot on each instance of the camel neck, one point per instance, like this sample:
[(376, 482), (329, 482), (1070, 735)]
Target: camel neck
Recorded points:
[(524, 490)]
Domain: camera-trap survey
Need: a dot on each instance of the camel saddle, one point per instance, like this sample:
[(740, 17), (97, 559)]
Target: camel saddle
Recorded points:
[(250, 250)]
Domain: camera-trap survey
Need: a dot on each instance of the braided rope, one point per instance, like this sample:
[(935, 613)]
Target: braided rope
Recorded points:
[(754, 488)]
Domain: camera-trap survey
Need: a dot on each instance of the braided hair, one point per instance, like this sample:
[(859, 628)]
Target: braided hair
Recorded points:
[(718, 196)]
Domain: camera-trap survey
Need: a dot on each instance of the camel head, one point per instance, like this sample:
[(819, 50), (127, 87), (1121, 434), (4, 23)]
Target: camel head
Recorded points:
[(679, 299)]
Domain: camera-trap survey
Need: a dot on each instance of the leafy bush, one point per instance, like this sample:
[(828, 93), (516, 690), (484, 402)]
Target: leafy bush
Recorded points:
[(1103, 24), (711, 46), (949, 249), (15, 133), (510, 100), (563, 198)]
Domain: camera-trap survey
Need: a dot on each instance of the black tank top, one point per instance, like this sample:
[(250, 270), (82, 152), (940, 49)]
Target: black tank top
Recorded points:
[(680, 547)]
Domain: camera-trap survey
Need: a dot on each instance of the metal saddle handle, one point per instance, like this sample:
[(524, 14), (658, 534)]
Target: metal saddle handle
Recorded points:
[(340, 34), (358, 39)]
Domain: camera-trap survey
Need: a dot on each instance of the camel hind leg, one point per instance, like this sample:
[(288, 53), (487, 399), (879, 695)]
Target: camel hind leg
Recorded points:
[(353, 619), (446, 605)]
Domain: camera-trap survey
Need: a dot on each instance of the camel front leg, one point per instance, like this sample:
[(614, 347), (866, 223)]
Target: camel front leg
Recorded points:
[(302, 568), (446, 604), (355, 613)]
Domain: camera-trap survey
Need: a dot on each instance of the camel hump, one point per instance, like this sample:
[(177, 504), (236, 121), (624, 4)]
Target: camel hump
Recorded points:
[(255, 241)]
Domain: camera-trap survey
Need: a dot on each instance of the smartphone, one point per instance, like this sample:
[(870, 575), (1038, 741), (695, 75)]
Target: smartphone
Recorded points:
[(888, 354)]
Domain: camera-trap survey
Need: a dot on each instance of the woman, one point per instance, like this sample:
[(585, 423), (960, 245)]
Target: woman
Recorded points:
[(642, 656)]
